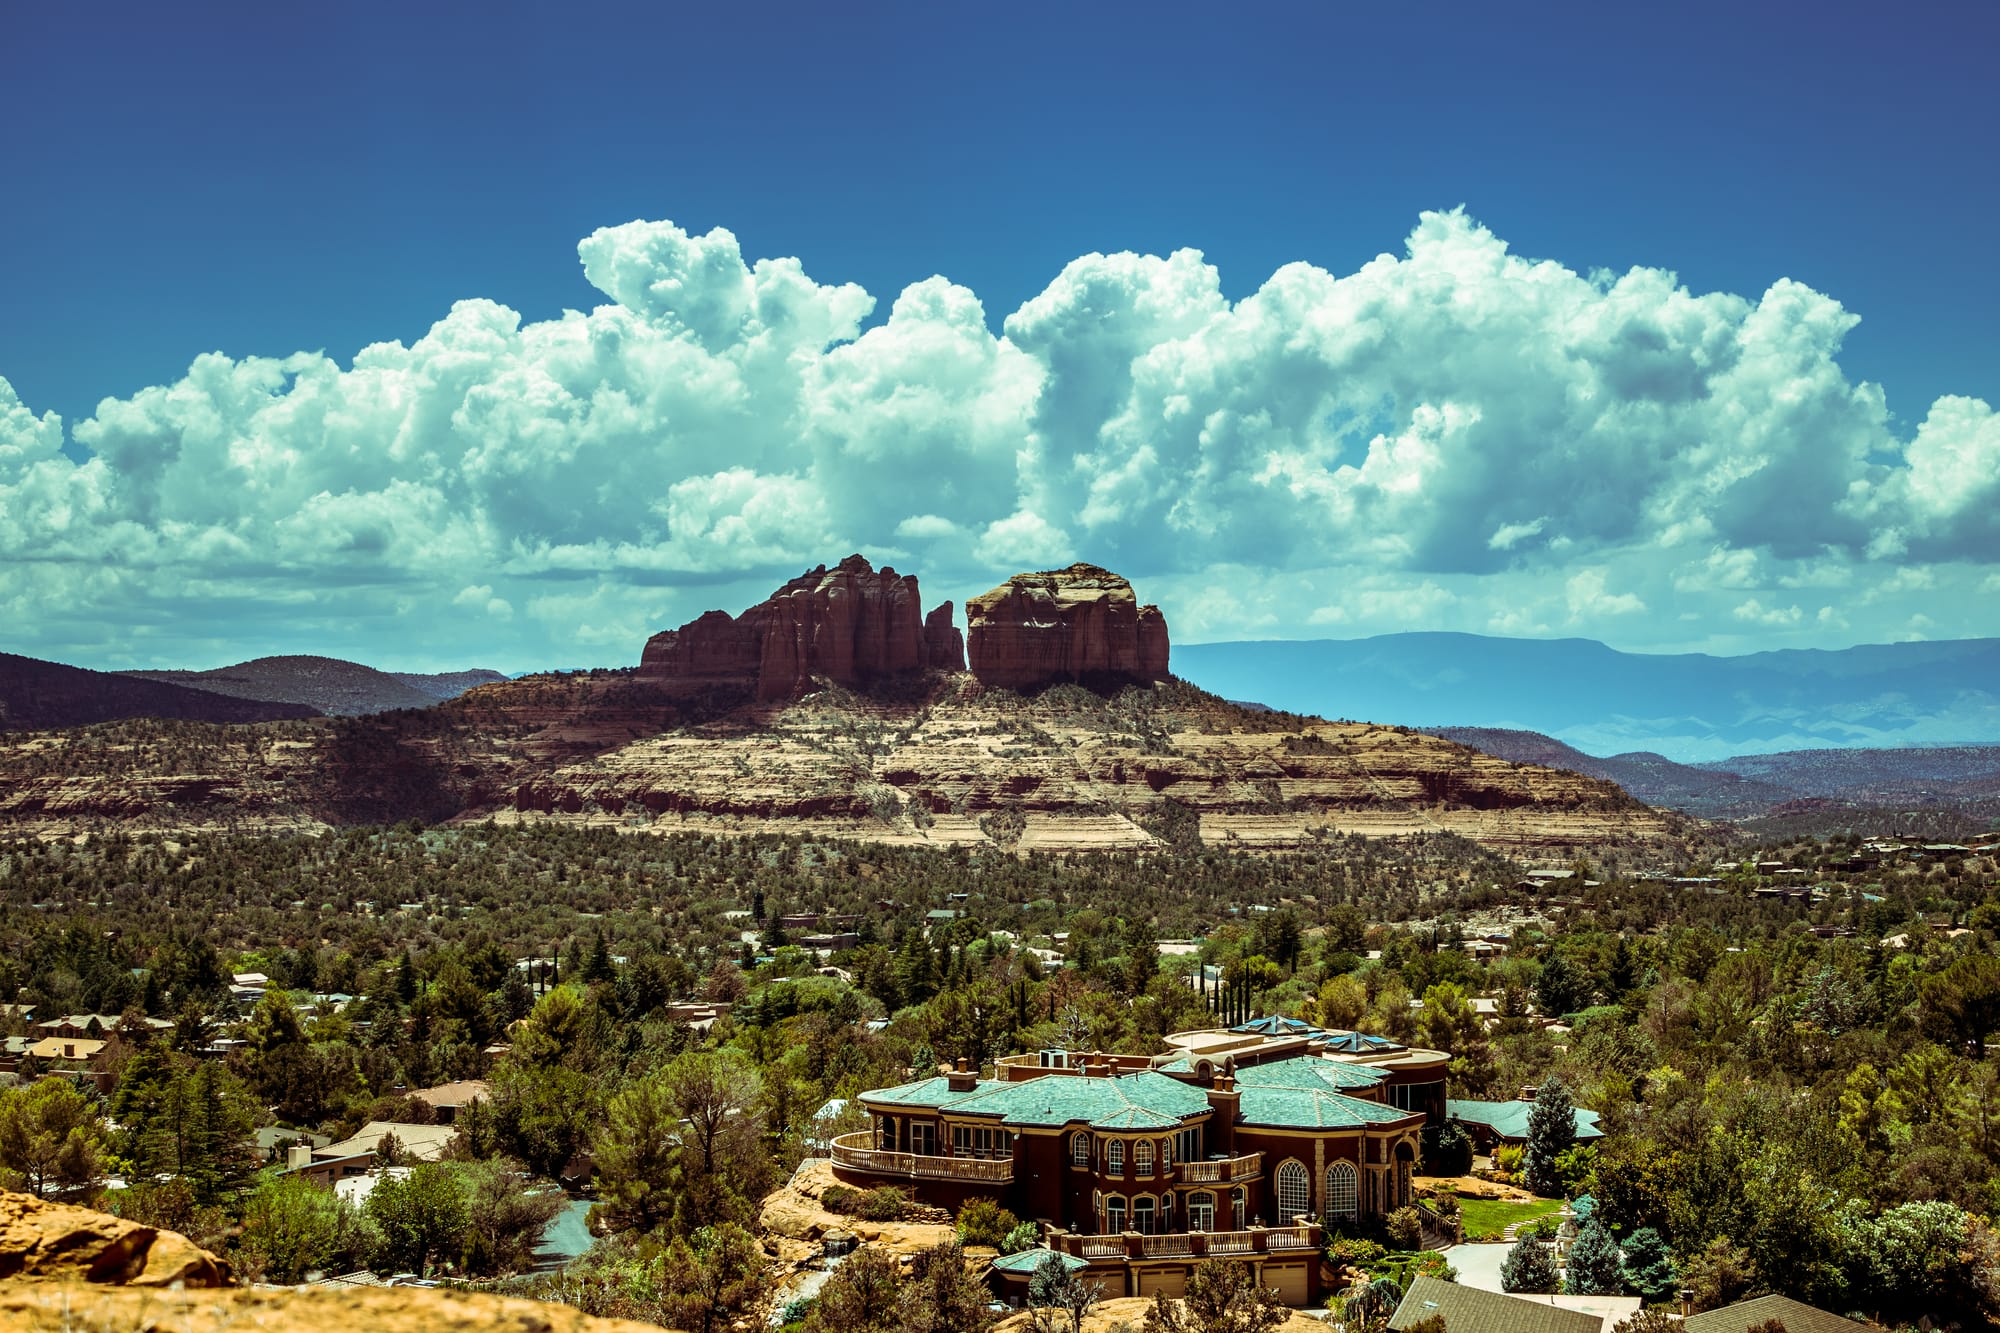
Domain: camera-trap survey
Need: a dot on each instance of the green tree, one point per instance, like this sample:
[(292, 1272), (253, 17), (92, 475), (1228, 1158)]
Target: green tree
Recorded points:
[(51, 1138), (942, 1295), (985, 1222), (1529, 1267), (636, 1152), (1560, 989), (504, 1219), (292, 1228), (1963, 1001), (1551, 1130), (1060, 1297), (422, 1216), (859, 1296), (1649, 1266), (721, 1166), (710, 1276), (1594, 1267), (1222, 1297)]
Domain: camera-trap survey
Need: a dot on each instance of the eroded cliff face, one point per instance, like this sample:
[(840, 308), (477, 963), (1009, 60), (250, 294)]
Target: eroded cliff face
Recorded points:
[(852, 625), (1083, 623)]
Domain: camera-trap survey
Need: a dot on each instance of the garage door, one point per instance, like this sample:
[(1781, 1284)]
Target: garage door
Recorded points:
[(1289, 1279), (1172, 1281)]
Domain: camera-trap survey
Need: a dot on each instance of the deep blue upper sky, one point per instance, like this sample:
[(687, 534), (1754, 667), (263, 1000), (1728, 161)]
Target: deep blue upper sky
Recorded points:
[(1449, 440), (260, 178)]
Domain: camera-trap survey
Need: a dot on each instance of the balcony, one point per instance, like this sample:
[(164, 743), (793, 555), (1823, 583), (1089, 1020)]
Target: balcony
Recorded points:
[(1191, 1245), (1222, 1170), (858, 1152)]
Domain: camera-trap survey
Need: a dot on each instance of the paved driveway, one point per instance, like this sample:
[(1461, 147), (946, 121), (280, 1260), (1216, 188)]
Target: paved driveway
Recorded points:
[(1478, 1265)]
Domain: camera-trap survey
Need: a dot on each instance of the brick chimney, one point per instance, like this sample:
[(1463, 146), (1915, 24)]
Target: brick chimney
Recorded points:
[(1528, 1091), (1223, 1100), (961, 1079)]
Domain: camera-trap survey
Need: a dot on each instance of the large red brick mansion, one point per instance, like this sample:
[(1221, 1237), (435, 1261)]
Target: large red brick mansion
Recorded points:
[(1240, 1142)]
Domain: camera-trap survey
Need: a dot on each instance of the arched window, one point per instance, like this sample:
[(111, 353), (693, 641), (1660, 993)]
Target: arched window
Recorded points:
[(1294, 1192), (1142, 1157), (1142, 1215), (1166, 1154), (1201, 1211), (1239, 1206), (1114, 1214), (1079, 1149), (1114, 1157), (1343, 1190)]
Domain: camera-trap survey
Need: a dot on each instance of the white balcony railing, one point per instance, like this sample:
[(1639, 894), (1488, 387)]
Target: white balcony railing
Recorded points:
[(1222, 1170), (858, 1152)]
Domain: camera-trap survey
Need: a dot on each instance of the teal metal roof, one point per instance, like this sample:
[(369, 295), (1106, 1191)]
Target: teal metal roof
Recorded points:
[(1031, 1261), (1145, 1100), (1509, 1120), (1309, 1072), (925, 1092), (1307, 1108)]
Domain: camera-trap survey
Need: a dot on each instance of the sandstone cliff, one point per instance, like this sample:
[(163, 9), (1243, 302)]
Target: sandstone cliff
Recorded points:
[(1078, 624), (65, 1269), (944, 643), (55, 1242), (850, 625)]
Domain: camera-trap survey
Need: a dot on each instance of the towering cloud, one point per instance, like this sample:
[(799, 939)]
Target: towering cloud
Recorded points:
[(1454, 436)]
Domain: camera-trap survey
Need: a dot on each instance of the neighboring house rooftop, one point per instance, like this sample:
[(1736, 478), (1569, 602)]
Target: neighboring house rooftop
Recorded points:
[(1509, 1120), (1470, 1310), (1796, 1316), (426, 1143), (66, 1048), (1031, 1261), (462, 1093)]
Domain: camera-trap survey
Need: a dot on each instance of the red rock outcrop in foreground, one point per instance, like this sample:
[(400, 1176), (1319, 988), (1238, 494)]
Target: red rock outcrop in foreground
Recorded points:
[(54, 1242), (851, 625), (1080, 623)]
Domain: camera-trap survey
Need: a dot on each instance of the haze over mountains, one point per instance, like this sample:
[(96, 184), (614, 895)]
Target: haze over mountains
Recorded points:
[(1688, 707), (327, 684)]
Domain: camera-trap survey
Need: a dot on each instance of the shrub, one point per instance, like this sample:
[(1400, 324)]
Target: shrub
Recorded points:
[(1354, 1251), (1447, 1149), (1023, 1237), (984, 1222), (1405, 1228), (1507, 1157), (885, 1204), (840, 1199), (1529, 1267), (1546, 1227)]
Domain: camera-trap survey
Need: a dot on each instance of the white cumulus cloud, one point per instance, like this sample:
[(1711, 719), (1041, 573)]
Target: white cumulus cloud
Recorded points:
[(1454, 436)]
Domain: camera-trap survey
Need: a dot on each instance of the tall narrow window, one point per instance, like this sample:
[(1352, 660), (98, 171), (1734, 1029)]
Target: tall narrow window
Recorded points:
[(1142, 1215), (1114, 1214), (1294, 1192), (1114, 1157), (1201, 1211), (1343, 1190), (1240, 1207), (1142, 1157), (1079, 1149)]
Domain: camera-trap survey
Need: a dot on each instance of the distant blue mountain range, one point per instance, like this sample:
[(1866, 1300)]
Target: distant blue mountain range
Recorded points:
[(1689, 707)]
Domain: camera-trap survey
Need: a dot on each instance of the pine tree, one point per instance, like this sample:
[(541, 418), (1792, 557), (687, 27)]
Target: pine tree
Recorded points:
[(1551, 1130), (1529, 1267), (1649, 1266), (1594, 1269)]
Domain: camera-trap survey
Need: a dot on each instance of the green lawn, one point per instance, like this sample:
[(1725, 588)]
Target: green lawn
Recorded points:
[(1486, 1219)]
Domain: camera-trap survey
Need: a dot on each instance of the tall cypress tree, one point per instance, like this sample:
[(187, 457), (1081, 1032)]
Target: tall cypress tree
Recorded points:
[(1551, 1130)]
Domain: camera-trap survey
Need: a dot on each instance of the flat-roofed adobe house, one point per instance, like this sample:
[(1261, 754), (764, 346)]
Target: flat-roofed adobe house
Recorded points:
[(1236, 1142)]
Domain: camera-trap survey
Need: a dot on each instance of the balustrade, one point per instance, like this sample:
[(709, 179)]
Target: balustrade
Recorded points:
[(858, 1152)]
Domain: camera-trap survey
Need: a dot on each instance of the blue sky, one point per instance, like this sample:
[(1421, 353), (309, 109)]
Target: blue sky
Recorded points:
[(1692, 450)]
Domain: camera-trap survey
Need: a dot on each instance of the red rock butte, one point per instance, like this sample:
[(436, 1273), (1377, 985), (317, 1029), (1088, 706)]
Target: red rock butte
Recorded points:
[(851, 625), (1083, 623)]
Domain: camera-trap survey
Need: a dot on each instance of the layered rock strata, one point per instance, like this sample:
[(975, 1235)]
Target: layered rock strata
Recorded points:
[(850, 625), (1083, 623)]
